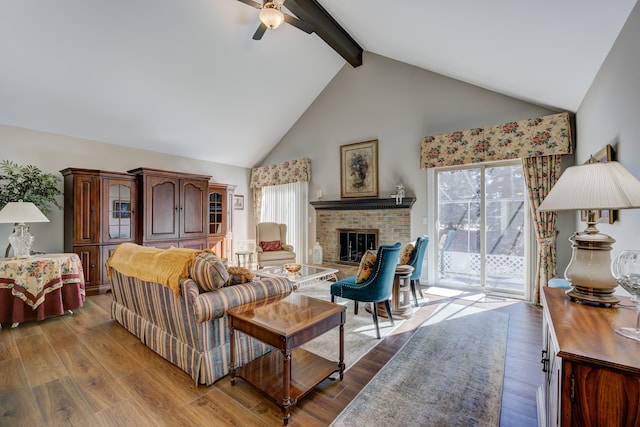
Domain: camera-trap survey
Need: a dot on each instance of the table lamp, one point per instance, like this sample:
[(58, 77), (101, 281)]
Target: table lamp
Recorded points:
[(592, 186), (19, 213)]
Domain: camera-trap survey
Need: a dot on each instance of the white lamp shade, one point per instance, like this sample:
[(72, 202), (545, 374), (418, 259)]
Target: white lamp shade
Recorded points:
[(594, 186), (21, 212), (271, 17)]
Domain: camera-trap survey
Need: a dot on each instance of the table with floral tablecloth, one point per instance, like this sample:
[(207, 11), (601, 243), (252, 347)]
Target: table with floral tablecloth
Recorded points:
[(40, 286)]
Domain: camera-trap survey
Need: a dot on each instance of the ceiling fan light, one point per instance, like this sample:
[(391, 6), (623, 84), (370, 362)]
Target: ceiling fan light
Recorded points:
[(271, 17)]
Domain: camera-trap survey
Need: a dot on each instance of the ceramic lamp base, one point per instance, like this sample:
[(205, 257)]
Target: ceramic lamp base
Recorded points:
[(589, 270), (603, 297)]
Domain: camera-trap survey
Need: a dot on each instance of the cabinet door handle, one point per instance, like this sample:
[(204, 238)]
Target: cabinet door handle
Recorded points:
[(544, 361), (176, 207)]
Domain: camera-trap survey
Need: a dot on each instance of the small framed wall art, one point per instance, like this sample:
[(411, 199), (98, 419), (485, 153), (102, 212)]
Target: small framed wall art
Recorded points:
[(359, 169), (238, 202)]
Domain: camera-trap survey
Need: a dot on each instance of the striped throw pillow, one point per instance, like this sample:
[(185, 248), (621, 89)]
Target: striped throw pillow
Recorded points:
[(208, 272)]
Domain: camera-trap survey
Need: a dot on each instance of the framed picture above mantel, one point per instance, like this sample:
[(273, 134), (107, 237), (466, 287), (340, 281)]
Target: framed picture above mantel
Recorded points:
[(359, 170)]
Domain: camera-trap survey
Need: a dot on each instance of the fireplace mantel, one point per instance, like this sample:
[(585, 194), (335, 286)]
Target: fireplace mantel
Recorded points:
[(363, 204)]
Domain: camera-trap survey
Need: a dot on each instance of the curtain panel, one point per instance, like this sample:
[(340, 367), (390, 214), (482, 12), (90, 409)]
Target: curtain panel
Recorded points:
[(288, 204), (541, 173), (540, 136), (281, 173)]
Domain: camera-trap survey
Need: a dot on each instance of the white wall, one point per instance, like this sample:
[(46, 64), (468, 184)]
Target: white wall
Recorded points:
[(610, 114), (52, 153), (397, 104)]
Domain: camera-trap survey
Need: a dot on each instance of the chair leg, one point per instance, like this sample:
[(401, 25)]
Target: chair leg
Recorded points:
[(387, 307), (419, 288), (355, 307), (333, 298), (413, 291), (374, 313)]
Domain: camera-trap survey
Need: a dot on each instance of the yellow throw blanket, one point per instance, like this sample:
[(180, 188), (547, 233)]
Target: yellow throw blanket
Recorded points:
[(164, 266)]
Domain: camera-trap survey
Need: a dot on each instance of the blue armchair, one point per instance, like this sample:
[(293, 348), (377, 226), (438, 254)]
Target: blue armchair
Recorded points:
[(416, 261), (376, 288)]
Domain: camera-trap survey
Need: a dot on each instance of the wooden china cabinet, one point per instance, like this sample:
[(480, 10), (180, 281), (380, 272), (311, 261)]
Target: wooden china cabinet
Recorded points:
[(220, 218), (99, 214), (592, 374), (173, 208), (151, 207)]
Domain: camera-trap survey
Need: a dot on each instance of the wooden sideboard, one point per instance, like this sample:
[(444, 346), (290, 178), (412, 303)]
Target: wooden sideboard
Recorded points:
[(150, 207), (592, 374)]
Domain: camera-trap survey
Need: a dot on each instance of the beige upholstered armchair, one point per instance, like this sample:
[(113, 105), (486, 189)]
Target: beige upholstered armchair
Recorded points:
[(271, 245)]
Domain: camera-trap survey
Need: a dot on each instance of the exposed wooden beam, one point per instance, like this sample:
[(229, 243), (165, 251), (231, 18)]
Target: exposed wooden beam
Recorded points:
[(327, 29)]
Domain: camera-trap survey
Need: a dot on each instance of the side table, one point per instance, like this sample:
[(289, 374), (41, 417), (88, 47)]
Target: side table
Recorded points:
[(40, 286), (244, 258), (400, 295), (286, 322)]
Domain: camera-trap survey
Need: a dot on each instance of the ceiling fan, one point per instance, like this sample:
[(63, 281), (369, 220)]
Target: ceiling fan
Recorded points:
[(271, 17)]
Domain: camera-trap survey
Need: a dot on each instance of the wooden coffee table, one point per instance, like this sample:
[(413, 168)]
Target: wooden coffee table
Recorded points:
[(286, 322)]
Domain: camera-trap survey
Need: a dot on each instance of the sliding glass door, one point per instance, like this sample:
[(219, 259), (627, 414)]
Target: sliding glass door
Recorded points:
[(482, 224)]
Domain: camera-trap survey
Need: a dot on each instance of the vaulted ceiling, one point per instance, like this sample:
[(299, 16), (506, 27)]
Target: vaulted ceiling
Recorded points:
[(185, 77)]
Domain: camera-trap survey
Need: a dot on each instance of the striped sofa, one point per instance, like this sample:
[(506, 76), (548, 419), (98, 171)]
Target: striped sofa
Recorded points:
[(191, 330)]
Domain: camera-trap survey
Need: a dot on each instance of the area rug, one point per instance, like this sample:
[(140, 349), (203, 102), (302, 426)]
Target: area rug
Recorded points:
[(450, 373), (359, 331)]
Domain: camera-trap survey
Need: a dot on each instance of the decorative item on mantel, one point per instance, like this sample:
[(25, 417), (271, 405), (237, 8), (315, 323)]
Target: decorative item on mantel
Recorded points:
[(593, 186), (400, 194)]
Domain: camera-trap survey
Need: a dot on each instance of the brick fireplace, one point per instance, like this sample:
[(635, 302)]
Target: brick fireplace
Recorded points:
[(391, 221)]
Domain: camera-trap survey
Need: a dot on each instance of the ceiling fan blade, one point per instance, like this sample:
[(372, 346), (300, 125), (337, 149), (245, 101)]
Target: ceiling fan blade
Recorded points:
[(251, 3), (260, 32), (301, 25)]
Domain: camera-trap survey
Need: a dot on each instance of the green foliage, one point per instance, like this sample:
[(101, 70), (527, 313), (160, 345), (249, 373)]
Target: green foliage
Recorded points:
[(29, 184)]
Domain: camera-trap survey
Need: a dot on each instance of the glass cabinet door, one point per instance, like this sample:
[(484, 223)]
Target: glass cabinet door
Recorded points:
[(120, 209), (216, 213)]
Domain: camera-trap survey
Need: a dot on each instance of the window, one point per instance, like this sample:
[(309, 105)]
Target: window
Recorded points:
[(288, 204), (482, 227)]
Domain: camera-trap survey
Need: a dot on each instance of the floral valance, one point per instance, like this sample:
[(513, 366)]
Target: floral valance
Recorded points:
[(281, 173), (540, 136)]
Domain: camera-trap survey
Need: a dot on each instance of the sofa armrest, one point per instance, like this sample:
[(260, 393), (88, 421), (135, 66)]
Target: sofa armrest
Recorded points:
[(287, 248), (214, 304)]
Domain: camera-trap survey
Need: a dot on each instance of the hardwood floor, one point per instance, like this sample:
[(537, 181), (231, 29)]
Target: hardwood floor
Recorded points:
[(85, 369)]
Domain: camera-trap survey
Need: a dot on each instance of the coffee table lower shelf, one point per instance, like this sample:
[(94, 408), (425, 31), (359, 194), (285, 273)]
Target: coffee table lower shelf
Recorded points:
[(307, 371)]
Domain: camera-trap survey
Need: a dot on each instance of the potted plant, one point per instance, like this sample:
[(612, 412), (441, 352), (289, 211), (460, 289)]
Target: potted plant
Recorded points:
[(29, 184)]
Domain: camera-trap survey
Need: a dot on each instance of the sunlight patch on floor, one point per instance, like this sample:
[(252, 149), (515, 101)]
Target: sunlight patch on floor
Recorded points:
[(450, 310), (444, 292)]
